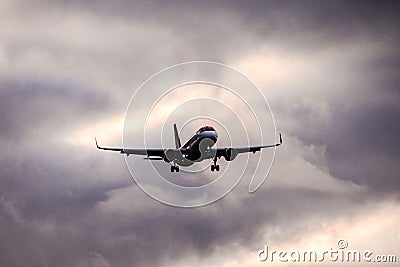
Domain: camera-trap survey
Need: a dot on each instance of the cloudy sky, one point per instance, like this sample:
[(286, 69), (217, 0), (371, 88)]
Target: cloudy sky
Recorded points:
[(329, 70)]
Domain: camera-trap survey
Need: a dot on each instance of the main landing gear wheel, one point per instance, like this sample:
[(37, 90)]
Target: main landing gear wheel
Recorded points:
[(174, 168), (215, 166)]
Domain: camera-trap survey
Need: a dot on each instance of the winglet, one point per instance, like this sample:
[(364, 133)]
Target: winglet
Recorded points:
[(280, 140), (95, 139)]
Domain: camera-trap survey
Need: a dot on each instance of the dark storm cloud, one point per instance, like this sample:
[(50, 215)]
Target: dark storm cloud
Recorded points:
[(169, 234), (365, 147), (337, 18), (361, 129), (30, 109), (49, 178), (361, 140), (203, 231), (54, 209), (47, 193)]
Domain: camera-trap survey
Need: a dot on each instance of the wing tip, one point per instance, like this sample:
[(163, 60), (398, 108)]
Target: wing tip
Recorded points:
[(95, 139), (280, 140)]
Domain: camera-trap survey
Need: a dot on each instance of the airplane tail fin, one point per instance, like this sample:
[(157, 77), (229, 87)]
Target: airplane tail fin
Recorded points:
[(177, 139)]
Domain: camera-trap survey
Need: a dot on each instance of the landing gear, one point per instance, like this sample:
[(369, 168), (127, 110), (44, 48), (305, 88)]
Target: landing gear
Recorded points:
[(215, 166), (174, 168)]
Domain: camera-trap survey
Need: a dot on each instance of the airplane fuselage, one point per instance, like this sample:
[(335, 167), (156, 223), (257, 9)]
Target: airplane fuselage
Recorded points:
[(196, 149)]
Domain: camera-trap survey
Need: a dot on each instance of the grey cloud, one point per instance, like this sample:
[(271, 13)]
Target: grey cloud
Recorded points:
[(57, 180), (53, 208), (32, 109), (359, 125), (130, 238)]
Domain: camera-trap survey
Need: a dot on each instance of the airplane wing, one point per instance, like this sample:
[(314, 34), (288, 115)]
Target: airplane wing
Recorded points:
[(231, 152), (150, 152)]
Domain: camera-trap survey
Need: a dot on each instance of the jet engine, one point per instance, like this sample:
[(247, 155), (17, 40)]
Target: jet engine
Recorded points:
[(172, 155), (230, 154)]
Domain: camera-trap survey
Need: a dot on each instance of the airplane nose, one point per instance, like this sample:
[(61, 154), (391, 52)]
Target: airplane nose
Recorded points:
[(211, 135), (215, 136)]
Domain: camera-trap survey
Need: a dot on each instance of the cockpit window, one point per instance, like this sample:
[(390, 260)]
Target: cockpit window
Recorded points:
[(205, 128)]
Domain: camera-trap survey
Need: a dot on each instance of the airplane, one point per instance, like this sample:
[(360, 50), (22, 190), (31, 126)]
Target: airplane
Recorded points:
[(198, 148)]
